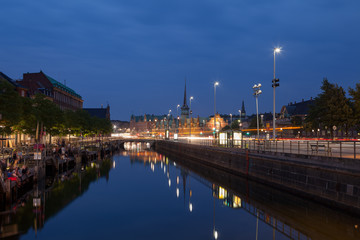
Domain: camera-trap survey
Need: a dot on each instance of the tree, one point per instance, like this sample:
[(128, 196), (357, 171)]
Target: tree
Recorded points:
[(355, 103), (10, 107), (331, 108), (235, 125)]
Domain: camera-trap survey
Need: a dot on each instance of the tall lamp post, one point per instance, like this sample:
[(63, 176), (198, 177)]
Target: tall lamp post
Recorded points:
[(190, 115), (177, 110), (168, 125), (275, 83), (169, 119), (215, 84), (257, 92), (240, 120), (230, 118)]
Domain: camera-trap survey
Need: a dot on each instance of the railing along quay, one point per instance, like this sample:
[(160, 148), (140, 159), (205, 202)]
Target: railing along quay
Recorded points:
[(336, 149)]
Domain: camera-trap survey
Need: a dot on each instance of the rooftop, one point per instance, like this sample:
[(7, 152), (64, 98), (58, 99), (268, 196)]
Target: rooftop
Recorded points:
[(62, 86)]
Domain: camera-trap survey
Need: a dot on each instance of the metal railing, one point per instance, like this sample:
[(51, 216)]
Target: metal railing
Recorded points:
[(337, 149)]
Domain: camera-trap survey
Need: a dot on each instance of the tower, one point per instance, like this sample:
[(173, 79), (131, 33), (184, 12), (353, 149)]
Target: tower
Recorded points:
[(184, 108), (243, 112)]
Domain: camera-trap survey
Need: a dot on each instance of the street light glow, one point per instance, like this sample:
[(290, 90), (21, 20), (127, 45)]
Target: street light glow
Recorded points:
[(216, 83), (277, 49), (216, 235)]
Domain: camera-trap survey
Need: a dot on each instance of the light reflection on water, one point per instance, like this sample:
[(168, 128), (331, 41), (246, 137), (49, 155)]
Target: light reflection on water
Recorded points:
[(142, 194)]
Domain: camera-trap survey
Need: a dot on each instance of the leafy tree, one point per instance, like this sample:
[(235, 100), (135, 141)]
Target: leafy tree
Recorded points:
[(10, 107), (235, 125), (331, 108), (227, 127), (355, 101), (253, 122), (47, 113)]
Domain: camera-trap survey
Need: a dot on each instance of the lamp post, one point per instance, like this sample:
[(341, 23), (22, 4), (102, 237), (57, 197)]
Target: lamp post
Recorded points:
[(215, 84), (230, 118), (274, 85), (169, 119), (240, 115), (257, 92), (190, 115), (177, 110)]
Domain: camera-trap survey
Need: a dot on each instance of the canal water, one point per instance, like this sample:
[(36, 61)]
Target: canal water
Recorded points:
[(146, 195)]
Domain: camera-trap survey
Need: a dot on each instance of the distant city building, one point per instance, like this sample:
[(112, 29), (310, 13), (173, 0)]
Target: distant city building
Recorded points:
[(184, 125), (103, 113), (18, 87), (300, 110), (63, 96), (120, 126)]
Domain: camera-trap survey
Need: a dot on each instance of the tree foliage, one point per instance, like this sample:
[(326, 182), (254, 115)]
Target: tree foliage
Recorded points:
[(10, 107), (331, 108), (355, 104), (20, 114)]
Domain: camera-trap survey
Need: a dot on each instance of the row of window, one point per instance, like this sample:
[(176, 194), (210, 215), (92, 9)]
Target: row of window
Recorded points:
[(62, 98)]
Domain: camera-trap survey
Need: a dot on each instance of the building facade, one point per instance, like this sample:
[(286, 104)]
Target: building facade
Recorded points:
[(60, 94)]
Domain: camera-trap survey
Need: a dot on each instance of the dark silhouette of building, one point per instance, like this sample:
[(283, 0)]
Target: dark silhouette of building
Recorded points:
[(243, 111), (103, 113), (17, 86)]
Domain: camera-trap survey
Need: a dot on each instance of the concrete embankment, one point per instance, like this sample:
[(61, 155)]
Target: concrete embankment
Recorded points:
[(331, 181)]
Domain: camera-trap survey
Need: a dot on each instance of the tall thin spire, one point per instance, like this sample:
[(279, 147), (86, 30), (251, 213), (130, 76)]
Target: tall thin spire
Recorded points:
[(185, 108)]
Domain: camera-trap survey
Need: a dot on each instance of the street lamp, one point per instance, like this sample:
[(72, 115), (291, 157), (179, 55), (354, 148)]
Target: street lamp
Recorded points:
[(274, 85), (240, 114), (169, 118), (257, 92), (230, 118), (190, 115), (177, 110), (215, 84)]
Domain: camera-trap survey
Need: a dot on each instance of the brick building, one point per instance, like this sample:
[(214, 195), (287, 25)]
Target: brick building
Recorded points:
[(63, 96)]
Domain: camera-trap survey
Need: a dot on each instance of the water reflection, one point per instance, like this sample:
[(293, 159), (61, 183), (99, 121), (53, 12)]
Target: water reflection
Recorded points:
[(288, 216), (46, 201), (213, 201)]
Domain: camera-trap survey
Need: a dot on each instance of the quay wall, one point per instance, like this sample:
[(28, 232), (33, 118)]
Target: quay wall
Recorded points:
[(333, 184)]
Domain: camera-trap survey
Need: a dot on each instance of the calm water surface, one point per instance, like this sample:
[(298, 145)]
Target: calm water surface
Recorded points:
[(145, 195)]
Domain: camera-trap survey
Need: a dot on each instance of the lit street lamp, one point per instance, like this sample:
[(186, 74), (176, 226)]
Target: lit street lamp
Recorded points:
[(177, 110), (230, 118), (190, 115), (274, 85), (215, 84), (240, 120), (257, 92)]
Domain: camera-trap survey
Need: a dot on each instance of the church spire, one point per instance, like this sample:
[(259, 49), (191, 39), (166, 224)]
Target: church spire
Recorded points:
[(185, 108), (243, 112)]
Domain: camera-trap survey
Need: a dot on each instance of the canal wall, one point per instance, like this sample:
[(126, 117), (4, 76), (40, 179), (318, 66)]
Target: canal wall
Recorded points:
[(333, 182), (293, 216)]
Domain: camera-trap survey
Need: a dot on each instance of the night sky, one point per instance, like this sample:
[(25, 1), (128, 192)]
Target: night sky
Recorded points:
[(136, 54)]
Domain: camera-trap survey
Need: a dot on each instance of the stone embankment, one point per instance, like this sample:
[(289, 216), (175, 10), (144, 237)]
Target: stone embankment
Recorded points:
[(332, 181)]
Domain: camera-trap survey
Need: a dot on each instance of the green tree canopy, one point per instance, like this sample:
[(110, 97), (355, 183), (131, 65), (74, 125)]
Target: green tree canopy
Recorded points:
[(10, 107), (355, 101), (331, 108)]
